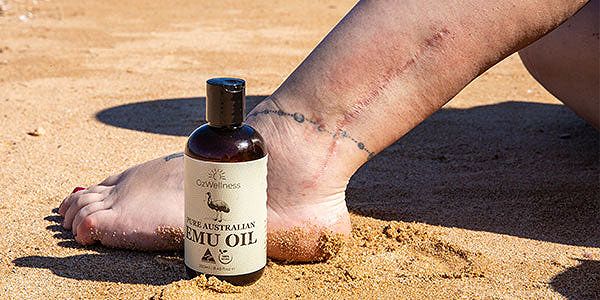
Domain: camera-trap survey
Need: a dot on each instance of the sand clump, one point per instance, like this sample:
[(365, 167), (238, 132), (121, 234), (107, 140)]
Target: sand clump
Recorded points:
[(23, 9), (330, 244), (461, 262), (409, 252), (39, 131), (192, 289), (4, 7)]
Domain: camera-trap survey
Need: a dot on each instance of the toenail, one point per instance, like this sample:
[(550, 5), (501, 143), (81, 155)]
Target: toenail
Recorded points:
[(77, 189)]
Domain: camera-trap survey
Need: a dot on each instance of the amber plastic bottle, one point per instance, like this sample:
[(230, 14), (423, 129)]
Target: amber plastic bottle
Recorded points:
[(225, 179)]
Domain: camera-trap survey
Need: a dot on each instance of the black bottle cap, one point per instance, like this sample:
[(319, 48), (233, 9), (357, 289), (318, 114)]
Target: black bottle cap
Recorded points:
[(225, 101)]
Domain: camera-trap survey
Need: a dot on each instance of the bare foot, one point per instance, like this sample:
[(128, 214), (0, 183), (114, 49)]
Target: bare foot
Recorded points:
[(142, 208)]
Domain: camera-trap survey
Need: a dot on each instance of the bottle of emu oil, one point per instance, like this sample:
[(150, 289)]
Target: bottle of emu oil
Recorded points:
[(225, 171)]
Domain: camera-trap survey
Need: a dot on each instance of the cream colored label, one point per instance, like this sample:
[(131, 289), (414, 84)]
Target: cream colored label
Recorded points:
[(225, 216)]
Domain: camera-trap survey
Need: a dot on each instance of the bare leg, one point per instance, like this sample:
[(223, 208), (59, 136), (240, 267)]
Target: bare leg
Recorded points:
[(383, 69), (567, 62)]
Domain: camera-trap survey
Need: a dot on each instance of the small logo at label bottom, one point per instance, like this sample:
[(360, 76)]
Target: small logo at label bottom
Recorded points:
[(224, 257), (208, 257)]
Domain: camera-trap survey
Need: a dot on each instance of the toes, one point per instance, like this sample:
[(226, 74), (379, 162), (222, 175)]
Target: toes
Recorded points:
[(64, 206), (78, 203), (88, 228), (98, 189), (84, 212)]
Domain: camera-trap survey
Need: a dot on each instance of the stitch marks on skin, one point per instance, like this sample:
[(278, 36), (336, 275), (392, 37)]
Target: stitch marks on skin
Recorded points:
[(378, 85), (301, 119), (435, 41)]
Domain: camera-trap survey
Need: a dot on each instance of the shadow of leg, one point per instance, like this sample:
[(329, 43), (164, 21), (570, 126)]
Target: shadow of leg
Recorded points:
[(517, 168), (112, 266), (179, 116), (580, 282)]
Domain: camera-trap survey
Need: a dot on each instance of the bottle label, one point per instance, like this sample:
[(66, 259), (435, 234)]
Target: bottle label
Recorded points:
[(225, 216)]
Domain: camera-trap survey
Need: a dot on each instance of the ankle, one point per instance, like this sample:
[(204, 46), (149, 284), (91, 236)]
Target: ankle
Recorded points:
[(287, 123)]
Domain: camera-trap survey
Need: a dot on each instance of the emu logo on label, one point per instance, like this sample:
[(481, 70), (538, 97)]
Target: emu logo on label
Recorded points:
[(208, 257)]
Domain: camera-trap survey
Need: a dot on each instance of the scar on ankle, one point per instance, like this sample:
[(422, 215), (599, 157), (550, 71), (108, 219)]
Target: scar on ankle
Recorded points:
[(172, 156), (330, 152), (378, 86), (436, 39), (381, 82)]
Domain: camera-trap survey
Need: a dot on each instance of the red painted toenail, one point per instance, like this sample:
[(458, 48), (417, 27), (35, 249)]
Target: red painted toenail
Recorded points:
[(77, 189)]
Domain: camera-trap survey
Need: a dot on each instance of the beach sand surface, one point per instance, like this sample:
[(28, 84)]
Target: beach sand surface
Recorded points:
[(496, 196)]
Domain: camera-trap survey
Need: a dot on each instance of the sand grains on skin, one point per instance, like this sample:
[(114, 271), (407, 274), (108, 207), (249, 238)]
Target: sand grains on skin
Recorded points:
[(328, 243)]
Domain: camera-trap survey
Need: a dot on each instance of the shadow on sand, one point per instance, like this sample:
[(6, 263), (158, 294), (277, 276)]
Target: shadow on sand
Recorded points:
[(579, 282), (110, 266), (106, 265), (166, 116), (523, 169)]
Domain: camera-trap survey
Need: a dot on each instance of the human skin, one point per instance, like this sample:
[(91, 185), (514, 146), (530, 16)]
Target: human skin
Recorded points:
[(567, 62), (382, 70)]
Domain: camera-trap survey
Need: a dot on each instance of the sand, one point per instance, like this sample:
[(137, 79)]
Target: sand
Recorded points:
[(496, 196)]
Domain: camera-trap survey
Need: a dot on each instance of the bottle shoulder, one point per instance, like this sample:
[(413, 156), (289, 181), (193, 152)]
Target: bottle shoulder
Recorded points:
[(217, 144)]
